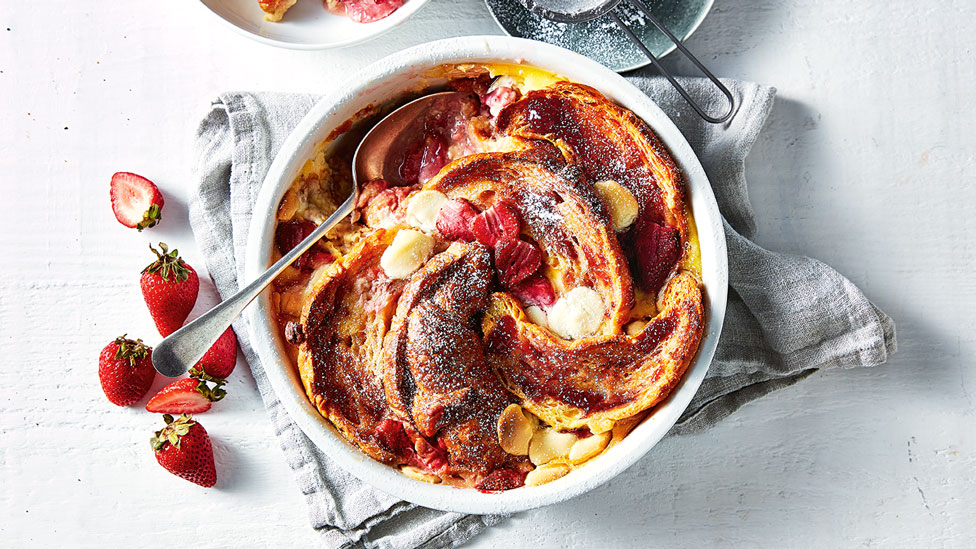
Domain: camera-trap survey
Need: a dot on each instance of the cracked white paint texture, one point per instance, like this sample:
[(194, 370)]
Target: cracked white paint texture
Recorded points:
[(867, 163)]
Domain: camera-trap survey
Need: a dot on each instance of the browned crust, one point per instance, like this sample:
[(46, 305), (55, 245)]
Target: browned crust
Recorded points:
[(561, 214), (345, 322)]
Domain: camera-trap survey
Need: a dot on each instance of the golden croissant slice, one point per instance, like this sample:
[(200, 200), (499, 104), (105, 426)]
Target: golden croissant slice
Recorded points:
[(560, 213), (595, 381), (607, 142), (435, 372), (344, 322)]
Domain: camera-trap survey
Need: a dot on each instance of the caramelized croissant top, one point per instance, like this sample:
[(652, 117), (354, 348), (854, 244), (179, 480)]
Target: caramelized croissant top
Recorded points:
[(492, 325)]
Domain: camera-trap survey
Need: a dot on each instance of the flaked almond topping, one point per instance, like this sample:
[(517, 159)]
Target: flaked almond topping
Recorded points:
[(577, 314), (586, 448), (548, 444), (621, 203), (422, 210), (545, 474), (635, 327), (514, 430), (408, 251), (419, 474), (537, 316)]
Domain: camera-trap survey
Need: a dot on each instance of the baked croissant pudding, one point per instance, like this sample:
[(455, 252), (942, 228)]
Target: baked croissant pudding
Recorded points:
[(511, 300)]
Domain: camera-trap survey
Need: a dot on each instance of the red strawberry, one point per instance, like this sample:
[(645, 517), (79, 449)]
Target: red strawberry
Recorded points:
[(657, 249), (220, 359), (290, 234), (170, 288), (136, 201), (185, 396), (454, 220), (516, 260), (125, 370), (498, 223), (535, 290), (183, 448)]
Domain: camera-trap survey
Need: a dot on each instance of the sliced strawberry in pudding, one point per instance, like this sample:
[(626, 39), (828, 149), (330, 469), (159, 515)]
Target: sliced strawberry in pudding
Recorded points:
[(535, 290), (496, 224), (454, 220), (516, 260), (657, 250), (290, 234)]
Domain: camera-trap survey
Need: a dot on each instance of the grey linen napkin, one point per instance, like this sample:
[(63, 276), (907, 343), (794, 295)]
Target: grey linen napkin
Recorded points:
[(787, 315)]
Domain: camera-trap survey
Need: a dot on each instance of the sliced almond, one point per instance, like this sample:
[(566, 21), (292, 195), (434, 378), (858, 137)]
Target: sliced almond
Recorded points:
[(514, 430), (419, 474), (577, 314), (586, 448), (635, 327), (621, 203), (547, 445), (422, 210), (537, 315), (408, 251), (545, 473)]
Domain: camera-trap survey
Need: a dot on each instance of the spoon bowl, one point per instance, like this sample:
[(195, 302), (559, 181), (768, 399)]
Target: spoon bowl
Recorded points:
[(178, 352)]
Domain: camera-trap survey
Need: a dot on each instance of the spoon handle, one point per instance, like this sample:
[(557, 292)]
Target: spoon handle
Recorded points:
[(178, 352)]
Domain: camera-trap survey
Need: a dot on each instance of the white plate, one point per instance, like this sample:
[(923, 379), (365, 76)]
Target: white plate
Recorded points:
[(306, 26), (387, 79)]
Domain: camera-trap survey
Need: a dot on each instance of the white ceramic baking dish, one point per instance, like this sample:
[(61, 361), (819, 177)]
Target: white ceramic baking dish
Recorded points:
[(388, 79)]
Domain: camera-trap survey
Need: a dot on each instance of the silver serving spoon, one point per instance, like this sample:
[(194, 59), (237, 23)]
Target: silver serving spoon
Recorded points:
[(178, 352), (579, 11)]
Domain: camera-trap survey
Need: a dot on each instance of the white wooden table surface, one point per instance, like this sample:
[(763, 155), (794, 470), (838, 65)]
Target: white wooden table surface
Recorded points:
[(867, 163)]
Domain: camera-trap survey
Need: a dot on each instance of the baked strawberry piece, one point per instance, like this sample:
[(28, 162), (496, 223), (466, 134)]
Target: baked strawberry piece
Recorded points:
[(454, 220), (657, 251), (498, 223), (290, 234), (516, 260)]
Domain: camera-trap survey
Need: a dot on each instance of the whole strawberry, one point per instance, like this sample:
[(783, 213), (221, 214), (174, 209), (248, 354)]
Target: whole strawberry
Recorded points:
[(170, 288), (220, 359), (125, 370), (183, 448)]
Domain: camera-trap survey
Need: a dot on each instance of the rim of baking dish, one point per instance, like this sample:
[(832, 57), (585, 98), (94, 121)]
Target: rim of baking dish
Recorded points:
[(339, 106)]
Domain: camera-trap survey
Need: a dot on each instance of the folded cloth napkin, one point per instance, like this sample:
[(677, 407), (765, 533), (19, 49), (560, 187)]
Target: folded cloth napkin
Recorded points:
[(787, 317)]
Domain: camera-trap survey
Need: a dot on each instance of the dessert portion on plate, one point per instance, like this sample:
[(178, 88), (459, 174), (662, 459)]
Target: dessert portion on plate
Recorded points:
[(511, 299), (360, 11)]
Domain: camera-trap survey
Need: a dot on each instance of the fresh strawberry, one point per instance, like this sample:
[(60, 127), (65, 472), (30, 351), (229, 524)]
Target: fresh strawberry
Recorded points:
[(657, 250), (220, 359), (136, 201), (535, 290), (454, 220), (183, 448), (516, 260), (170, 288), (125, 370), (185, 396), (498, 223)]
